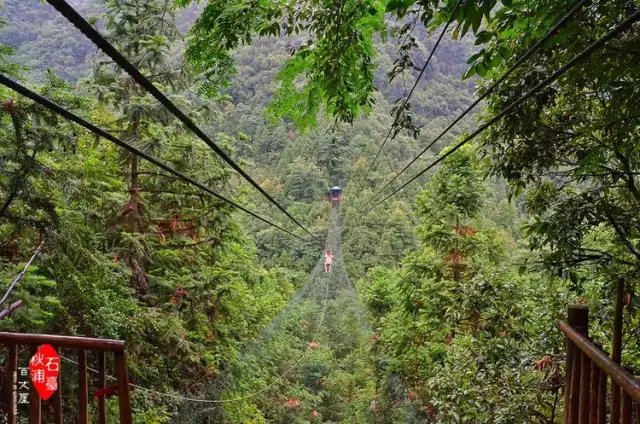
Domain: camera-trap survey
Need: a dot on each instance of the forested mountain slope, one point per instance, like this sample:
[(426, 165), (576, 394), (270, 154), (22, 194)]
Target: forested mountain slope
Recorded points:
[(301, 166), (297, 166), (460, 278), (44, 40)]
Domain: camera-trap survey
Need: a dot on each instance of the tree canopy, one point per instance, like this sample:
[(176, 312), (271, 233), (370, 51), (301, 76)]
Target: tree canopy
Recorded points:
[(443, 300)]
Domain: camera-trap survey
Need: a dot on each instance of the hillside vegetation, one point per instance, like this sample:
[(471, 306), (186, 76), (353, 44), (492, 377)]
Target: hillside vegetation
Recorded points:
[(443, 303)]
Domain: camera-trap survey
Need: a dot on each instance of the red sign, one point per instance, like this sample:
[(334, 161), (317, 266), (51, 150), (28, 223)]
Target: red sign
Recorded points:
[(44, 368)]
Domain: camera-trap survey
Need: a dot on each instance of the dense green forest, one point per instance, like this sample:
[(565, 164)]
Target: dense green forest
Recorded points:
[(443, 299)]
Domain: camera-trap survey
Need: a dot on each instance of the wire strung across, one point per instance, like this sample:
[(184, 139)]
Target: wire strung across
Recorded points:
[(617, 30), (415, 84), (8, 82), (91, 33), (487, 92)]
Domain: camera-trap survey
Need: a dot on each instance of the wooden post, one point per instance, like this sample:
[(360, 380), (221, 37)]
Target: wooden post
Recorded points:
[(571, 354), (585, 385), (574, 390), (35, 410), (626, 408), (12, 373), (602, 399), (600, 416), (594, 393), (102, 383), (56, 399), (578, 318), (124, 398), (616, 354), (83, 388)]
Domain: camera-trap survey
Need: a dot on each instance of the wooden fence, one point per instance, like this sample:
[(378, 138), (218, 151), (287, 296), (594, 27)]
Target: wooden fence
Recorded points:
[(588, 371), (81, 345)]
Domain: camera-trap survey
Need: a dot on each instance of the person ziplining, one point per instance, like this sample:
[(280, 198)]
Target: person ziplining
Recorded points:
[(328, 261)]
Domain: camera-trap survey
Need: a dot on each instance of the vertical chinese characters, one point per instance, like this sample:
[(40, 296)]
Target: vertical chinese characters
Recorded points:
[(45, 367)]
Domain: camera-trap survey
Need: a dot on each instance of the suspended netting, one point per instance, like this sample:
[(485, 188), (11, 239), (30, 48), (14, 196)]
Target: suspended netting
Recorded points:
[(314, 362)]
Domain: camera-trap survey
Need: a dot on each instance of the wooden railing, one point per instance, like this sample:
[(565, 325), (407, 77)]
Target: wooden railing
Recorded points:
[(14, 341), (587, 372)]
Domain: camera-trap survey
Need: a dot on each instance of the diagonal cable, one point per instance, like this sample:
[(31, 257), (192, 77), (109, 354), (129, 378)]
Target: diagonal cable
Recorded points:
[(406, 100), (90, 32), (21, 274), (102, 133), (617, 30), (489, 90)]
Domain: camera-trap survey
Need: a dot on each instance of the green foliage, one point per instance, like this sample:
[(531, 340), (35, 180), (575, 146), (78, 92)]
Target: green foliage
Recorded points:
[(198, 303), (333, 68), (572, 151), (43, 40), (464, 314), (457, 190), (305, 183), (577, 158), (457, 320), (144, 259)]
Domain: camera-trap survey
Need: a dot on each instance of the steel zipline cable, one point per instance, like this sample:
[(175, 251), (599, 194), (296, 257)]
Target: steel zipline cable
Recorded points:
[(4, 80), (617, 30), (489, 90), (415, 84), (91, 33)]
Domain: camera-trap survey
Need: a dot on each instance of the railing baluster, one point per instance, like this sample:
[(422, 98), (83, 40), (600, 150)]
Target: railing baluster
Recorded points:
[(124, 399), (35, 411), (571, 351), (626, 408), (615, 403), (12, 373), (102, 383), (585, 384), (56, 399), (602, 399), (83, 388), (578, 318), (593, 393), (574, 404), (616, 349)]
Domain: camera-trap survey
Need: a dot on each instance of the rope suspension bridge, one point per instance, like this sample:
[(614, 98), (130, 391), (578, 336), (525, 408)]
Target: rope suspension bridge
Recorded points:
[(324, 318)]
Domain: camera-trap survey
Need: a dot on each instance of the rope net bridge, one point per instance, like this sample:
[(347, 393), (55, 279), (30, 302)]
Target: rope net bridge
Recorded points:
[(314, 362)]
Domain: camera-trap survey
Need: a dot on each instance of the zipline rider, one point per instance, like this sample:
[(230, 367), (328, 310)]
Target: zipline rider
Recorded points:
[(328, 260)]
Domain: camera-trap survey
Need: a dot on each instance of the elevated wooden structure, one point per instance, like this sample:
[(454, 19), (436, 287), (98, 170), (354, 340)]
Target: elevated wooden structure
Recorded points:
[(81, 346), (588, 369)]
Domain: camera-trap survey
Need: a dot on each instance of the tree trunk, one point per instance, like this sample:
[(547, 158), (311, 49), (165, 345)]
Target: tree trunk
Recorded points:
[(133, 189)]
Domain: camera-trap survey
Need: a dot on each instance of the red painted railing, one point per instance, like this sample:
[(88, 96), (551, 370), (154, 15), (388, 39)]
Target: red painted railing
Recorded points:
[(81, 345), (587, 398)]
